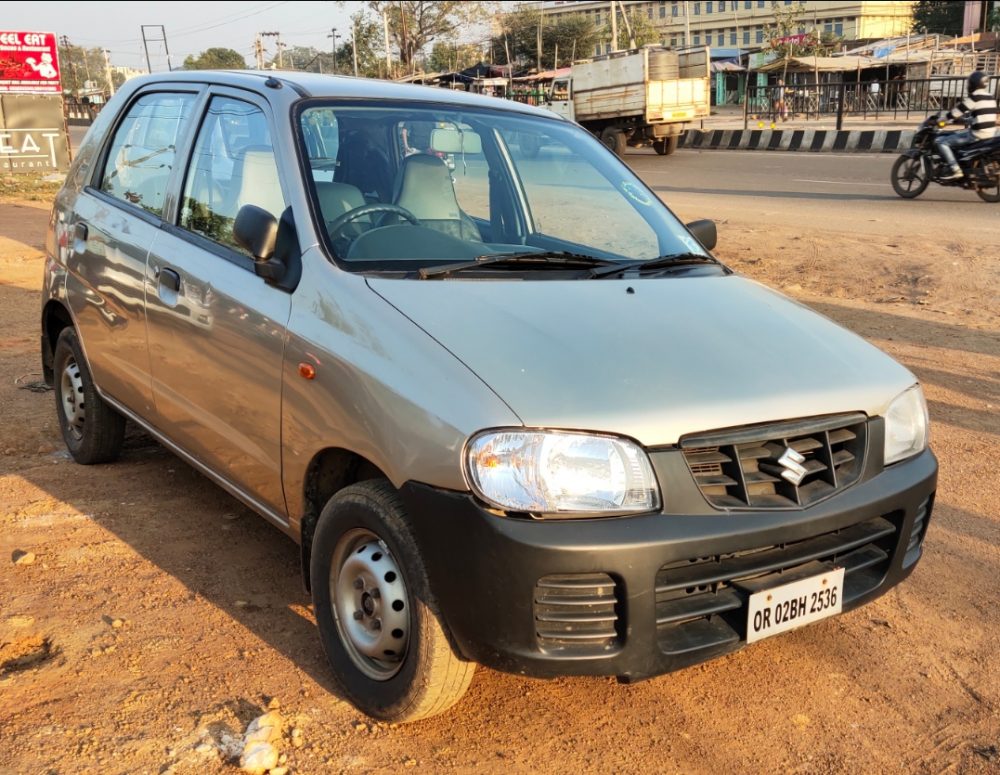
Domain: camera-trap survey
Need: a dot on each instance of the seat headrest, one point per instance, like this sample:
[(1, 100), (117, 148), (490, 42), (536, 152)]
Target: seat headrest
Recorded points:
[(335, 199), (426, 190)]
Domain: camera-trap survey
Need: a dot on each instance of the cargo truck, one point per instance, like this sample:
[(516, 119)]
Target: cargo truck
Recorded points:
[(639, 97)]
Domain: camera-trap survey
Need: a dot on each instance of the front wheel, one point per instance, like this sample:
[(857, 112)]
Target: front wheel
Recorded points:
[(378, 621), (908, 176), (615, 139), (667, 145)]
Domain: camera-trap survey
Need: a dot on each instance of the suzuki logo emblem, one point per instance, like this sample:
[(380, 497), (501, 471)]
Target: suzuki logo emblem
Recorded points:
[(792, 462)]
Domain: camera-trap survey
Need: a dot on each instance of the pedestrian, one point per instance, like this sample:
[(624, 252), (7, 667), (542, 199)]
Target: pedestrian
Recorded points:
[(780, 110)]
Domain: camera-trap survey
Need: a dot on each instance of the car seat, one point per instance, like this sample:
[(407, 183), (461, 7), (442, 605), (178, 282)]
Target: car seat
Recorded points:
[(424, 187)]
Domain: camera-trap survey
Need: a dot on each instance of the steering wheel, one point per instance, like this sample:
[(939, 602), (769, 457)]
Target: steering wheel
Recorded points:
[(337, 225)]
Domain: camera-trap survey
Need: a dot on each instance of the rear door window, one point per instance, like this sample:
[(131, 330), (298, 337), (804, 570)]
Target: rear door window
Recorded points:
[(143, 149), (232, 165)]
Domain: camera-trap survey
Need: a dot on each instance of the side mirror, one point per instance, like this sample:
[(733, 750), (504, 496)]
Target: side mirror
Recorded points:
[(703, 231), (256, 230)]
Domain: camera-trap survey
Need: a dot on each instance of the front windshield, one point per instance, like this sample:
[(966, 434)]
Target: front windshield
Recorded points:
[(404, 185)]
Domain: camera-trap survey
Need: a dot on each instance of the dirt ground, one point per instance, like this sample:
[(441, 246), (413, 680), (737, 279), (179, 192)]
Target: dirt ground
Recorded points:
[(159, 616)]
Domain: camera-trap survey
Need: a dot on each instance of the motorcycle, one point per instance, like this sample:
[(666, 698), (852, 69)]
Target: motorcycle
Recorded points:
[(914, 170)]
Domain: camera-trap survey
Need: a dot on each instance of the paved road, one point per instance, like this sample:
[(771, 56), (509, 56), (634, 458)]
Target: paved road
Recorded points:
[(844, 192)]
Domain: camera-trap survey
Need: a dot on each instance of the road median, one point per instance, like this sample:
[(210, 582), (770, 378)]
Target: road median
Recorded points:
[(807, 140)]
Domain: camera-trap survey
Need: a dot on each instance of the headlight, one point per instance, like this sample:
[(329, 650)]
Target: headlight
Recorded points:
[(559, 473), (906, 425)]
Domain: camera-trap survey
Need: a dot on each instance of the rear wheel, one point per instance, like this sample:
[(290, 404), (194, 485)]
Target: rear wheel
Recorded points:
[(667, 145), (992, 172), (908, 176), (92, 430), (377, 619), (614, 138)]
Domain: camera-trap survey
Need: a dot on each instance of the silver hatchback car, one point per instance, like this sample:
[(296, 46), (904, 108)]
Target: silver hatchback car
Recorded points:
[(513, 411)]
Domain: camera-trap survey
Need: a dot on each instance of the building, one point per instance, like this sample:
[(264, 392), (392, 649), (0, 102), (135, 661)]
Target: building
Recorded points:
[(743, 23)]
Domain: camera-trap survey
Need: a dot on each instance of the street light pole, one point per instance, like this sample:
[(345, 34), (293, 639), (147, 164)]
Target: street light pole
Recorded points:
[(333, 34)]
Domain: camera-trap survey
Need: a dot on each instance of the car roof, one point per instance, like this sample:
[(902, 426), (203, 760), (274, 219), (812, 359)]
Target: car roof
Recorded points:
[(341, 86)]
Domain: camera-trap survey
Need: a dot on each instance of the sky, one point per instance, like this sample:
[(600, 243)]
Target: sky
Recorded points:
[(190, 27)]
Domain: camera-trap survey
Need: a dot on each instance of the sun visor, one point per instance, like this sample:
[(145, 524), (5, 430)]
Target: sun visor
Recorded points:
[(456, 141)]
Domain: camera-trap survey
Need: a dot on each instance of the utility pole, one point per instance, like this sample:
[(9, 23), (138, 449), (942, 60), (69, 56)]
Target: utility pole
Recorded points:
[(354, 46), (64, 42), (277, 36), (333, 47), (107, 72), (388, 53), (538, 37), (258, 51), (687, 24), (162, 39), (628, 26), (614, 26)]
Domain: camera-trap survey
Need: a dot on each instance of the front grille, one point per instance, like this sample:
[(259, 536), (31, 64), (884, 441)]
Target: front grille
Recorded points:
[(576, 613), (913, 548), (698, 606), (741, 468)]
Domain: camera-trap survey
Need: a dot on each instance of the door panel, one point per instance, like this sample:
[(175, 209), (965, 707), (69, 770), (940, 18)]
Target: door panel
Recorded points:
[(216, 330), (115, 224), (216, 345)]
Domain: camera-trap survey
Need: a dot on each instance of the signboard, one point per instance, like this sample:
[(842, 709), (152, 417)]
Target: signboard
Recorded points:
[(32, 134), (29, 63)]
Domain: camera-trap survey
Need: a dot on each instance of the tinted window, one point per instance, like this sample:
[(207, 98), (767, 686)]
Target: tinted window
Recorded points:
[(143, 149), (233, 165)]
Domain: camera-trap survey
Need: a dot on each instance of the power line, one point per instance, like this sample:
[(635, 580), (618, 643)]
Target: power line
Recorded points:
[(189, 31)]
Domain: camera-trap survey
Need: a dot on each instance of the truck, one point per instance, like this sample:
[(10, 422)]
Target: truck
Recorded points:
[(643, 96)]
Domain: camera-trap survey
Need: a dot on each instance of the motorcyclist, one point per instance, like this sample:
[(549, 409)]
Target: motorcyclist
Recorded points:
[(981, 107)]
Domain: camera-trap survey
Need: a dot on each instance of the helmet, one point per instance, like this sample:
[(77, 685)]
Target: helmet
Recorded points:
[(976, 81)]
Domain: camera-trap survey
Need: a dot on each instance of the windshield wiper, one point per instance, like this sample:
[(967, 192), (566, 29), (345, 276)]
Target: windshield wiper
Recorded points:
[(660, 262), (547, 258)]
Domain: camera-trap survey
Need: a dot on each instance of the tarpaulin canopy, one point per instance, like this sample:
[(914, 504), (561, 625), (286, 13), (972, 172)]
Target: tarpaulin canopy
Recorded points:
[(547, 75), (844, 64), (727, 67)]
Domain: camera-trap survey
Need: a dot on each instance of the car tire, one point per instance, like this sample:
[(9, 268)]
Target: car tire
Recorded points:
[(614, 138), (667, 145), (364, 558), (92, 430)]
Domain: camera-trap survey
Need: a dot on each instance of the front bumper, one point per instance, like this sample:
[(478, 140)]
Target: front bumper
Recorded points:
[(656, 587)]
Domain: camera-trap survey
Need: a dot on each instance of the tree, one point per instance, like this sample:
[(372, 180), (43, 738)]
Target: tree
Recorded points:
[(642, 30), (79, 66), (938, 16), (573, 34), (448, 57), (415, 24), (216, 59)]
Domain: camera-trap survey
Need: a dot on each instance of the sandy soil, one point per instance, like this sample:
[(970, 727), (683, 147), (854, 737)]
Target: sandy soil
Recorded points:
[(159, 616)]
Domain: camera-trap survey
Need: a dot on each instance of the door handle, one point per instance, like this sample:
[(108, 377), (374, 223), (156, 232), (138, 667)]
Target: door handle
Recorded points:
[(169, 279)]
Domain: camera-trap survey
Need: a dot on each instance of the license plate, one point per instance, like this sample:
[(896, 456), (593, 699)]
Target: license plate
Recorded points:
[(792, 605)]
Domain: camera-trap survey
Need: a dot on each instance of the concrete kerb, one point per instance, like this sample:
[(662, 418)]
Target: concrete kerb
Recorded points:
[(814, 140)]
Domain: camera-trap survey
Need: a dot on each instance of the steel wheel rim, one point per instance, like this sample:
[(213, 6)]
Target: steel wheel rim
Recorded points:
[(370, 604), (71, 398)]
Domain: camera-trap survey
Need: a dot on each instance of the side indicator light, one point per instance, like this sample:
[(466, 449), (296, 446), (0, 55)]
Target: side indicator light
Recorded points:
[(306, 371)]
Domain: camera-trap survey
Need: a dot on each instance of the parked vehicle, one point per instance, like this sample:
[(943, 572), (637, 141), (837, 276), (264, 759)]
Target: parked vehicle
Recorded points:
[(918, 167), (644, 96), (514, 413)]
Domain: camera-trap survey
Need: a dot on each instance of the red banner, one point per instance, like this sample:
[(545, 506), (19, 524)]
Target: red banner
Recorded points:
[(29, 63)]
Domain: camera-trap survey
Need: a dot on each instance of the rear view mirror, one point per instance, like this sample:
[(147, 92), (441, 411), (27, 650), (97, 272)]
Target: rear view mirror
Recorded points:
[(256, 230), (704, 231)]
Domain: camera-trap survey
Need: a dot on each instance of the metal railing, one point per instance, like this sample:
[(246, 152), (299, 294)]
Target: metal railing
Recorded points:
[(894, 97)]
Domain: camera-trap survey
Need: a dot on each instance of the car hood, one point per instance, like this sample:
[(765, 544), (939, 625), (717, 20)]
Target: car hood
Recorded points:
[(653, 359)]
